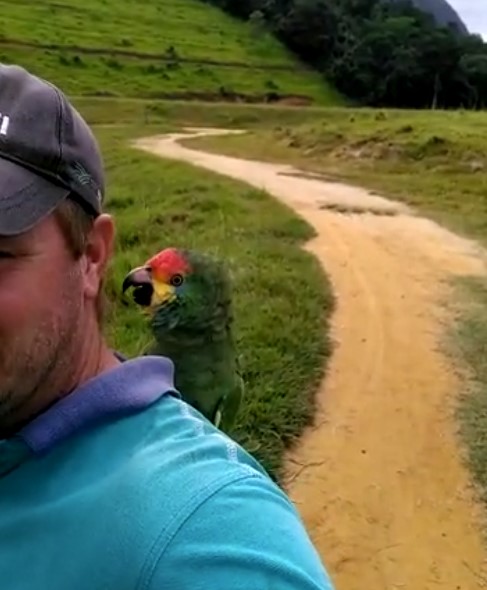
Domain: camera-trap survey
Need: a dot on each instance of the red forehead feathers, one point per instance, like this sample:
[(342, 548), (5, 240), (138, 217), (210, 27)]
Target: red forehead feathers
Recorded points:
[(169, 262)]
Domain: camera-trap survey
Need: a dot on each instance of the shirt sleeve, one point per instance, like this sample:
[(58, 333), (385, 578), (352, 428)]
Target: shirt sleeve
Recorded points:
[(245, 536)]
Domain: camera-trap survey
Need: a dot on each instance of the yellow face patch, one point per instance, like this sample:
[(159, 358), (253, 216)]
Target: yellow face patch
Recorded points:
[(163, 292)]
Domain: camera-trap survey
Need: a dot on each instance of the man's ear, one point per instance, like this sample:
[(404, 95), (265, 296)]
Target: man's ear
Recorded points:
[(99, 249)]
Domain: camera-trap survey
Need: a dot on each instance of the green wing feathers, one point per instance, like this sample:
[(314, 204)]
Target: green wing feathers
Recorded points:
[(229, 405)]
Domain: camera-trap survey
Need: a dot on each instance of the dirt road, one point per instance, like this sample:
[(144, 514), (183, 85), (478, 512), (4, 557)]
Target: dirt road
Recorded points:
[(378, 480)]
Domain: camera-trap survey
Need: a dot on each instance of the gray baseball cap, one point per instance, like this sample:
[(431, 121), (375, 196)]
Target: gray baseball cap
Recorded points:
[(47, 152)]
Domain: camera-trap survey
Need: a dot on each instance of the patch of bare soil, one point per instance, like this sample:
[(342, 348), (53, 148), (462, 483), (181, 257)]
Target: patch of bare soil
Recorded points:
[(379, 479)]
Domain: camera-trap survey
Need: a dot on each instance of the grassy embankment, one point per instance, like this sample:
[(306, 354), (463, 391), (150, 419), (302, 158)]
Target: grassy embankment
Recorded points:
[(434, 161), (152, 49)]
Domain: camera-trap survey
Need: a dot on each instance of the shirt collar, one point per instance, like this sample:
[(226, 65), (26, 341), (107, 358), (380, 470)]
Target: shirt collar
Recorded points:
[(130, 387)]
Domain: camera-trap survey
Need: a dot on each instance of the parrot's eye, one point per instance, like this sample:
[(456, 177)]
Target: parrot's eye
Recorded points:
[(176, 280)]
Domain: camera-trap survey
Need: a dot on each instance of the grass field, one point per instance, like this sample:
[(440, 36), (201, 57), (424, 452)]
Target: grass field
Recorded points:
[(151, 48), (158, 203), (469, 337), (178, 113), (435, 161)]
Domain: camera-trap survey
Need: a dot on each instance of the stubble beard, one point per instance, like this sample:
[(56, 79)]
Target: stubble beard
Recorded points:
[(35, 369)]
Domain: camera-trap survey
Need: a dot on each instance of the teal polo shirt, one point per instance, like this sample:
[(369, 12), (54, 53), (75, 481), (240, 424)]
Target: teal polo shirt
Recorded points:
[(123, 486)]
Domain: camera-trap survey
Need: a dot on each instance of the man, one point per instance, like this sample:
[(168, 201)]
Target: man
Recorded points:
[(108, 480)]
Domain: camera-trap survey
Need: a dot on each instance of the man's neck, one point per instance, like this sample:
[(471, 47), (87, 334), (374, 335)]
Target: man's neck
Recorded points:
[(97, 359)]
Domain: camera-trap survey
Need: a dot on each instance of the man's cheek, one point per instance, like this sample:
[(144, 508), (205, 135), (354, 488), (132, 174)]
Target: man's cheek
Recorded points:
[(14, 305), (19, 314)]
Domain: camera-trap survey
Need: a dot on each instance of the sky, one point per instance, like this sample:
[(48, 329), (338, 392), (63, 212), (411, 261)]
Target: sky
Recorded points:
[(473, 13)]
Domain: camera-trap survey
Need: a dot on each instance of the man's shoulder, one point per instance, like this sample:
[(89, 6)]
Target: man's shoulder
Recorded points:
[(178, 449), (175, 459), (220, 514)]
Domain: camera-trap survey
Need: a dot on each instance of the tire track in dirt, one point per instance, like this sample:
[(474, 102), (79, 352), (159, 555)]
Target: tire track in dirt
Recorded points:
[(379, 479)]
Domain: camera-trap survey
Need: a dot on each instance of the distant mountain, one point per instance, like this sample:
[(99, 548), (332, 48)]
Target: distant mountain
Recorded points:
[(443, 13)]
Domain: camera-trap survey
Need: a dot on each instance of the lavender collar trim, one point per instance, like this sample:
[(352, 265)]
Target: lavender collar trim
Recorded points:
[(132, 386)]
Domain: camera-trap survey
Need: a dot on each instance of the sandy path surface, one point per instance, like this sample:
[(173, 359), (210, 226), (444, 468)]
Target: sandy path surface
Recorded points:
[(379, 479)]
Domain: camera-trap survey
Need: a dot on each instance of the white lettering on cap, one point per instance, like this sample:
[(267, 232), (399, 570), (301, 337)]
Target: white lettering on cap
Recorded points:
[(5, 120)]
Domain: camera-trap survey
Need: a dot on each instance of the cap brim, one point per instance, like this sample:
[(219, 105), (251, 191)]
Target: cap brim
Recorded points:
[(25, 198)]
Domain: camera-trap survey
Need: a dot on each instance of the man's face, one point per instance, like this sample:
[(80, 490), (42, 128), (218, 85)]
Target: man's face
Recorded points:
[(41, 310)]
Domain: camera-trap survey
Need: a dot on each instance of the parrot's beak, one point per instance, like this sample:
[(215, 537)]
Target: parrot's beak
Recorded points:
[(141, 281), (147, 291)]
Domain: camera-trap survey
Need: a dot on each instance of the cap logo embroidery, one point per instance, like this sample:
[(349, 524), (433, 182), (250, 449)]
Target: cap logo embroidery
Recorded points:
[(4, 123)]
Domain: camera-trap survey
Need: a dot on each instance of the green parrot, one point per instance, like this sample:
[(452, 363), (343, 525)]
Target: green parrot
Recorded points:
[(187, 296)]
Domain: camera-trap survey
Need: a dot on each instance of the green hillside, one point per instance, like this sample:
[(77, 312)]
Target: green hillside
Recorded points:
[(151, 49)]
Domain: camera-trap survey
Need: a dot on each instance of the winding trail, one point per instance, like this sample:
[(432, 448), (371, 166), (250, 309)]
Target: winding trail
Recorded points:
[(379, 478)]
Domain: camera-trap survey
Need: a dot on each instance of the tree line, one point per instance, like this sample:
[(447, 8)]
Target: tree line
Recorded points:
[(379, 53)]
